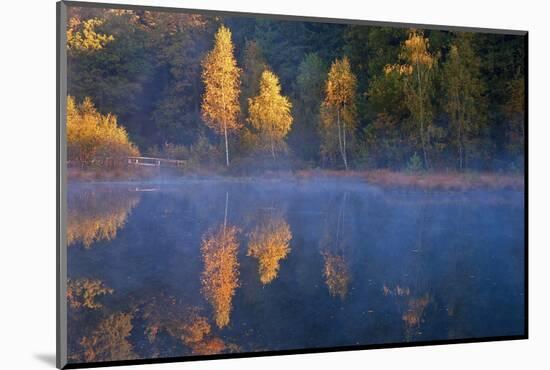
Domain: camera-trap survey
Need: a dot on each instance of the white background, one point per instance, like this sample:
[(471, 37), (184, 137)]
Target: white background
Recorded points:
[(27, 194)]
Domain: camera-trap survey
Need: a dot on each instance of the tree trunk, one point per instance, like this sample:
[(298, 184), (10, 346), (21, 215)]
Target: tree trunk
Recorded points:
[(460, 150), (422, 137), (344, 137), (342, 153), (272, 148), (460, 156), (225, 130), (226, 144), (225, 214)]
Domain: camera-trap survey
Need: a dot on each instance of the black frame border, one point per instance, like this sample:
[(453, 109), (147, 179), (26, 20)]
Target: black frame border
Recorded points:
[(61, 187)]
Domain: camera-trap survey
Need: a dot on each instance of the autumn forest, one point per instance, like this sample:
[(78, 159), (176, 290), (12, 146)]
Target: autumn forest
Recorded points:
[(241, 95)]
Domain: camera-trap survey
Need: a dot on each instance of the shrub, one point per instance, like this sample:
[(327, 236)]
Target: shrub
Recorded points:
[(93, 138)]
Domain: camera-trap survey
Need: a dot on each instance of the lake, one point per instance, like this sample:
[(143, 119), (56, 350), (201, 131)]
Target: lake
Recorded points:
[(198, 267)]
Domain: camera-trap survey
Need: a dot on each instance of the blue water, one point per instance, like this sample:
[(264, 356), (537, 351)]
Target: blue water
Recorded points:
[(357, 265)]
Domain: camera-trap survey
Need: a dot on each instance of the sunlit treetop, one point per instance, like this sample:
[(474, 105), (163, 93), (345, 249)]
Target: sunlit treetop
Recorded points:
[(341, 83), (270, 111), (416, 50), (82, 35), (414, 54)]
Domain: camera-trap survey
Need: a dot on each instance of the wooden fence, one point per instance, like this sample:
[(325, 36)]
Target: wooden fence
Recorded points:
[(155, 162)]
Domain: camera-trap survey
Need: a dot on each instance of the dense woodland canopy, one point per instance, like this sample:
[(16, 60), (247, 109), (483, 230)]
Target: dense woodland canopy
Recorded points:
[(286, 94)]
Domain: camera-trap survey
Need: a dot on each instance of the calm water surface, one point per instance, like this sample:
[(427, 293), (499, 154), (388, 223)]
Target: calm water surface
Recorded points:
[(205, 267)]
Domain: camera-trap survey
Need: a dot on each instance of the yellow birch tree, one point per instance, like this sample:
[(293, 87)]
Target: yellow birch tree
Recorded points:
[(221, 77), (339, 106), (83, 36), (269, 111), (417, 69)]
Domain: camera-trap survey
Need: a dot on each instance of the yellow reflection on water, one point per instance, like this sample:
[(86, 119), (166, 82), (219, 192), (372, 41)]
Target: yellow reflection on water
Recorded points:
[(220, 276), (413, 316), (336, 272), (97, 215), (108, 342), (183, 323), (269, 244), (82, 292), (333, 249)]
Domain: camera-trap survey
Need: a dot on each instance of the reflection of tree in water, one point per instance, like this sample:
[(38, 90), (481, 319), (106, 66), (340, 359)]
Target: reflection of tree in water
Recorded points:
[(169, 326), (412, 308), (95, 215), (181, 322), (185, 324), (414, 315), (269, 243), (220, 277), (411, 303), (210, 346), (415, 312), (92, 335), (336, 274), (333, 249), (108, 342), (82, 292)]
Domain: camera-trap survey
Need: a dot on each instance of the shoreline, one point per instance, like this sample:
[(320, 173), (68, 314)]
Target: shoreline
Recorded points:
[(388, 179), (444, 181)]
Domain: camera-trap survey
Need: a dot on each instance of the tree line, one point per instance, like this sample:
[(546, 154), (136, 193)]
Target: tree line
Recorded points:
[(246, 92)]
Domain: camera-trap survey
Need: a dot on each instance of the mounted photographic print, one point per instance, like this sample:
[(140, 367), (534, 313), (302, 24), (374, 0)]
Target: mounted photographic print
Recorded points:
[(234, 184)]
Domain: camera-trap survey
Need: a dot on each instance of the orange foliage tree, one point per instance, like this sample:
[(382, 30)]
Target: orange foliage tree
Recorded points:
[(83, 36), (93, 138), (269, 111), (220, 74), (338, 110)]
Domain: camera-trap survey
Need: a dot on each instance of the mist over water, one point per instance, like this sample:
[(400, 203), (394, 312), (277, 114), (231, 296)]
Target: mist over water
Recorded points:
[(199, 267)]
